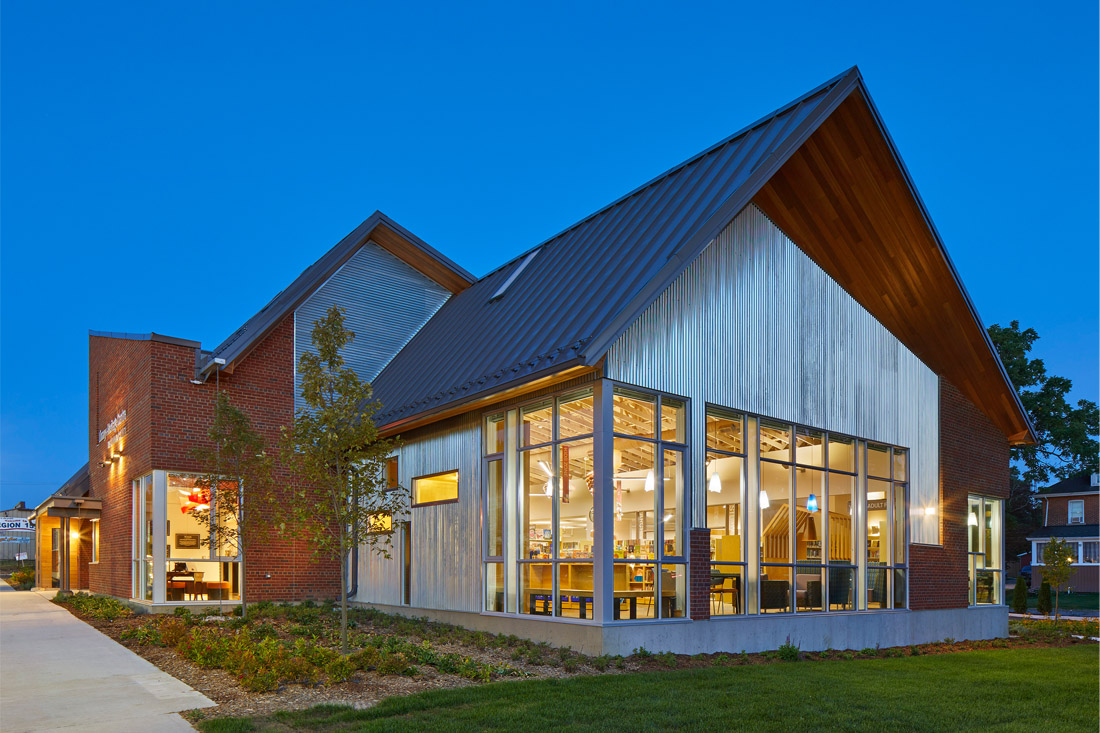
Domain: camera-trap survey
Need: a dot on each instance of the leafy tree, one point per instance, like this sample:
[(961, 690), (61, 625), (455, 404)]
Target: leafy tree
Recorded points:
[(1043, 604), (1019, 596), (236, 470), (1058, 558), (336, 455), (1067, 434)]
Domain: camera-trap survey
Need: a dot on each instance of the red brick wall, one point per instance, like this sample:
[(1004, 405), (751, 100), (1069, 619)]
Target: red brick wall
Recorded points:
[(1057, 510), (118, 379), (699, 573), (179, 415), (974, 458)]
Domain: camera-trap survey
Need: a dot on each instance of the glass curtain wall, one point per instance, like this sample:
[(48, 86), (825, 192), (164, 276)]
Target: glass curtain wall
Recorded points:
[(724, 479), (194, 566), (555, 507), (986, 549), (649, 576), (887, 525)]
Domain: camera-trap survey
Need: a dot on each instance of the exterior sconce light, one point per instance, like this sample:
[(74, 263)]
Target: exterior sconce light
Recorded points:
[(930, 511)]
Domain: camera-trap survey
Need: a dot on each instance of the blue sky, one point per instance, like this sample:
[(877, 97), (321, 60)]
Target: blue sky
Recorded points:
[(170, 167)]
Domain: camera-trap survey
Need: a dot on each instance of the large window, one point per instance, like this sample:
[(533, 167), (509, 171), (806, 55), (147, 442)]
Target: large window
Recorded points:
[(986, 549), (648, 479), (438, 488), (808, 493), (201, 556), (725, 481), (887, 524), (554, 506)]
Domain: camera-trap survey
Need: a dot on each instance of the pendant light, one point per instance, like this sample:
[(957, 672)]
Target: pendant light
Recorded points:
[(811, 503), (764, 503)]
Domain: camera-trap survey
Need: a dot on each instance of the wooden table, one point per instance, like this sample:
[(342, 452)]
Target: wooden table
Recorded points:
[(585, 597)]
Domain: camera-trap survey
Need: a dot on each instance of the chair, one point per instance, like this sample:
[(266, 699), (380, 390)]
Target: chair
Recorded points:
[(802, 582), (217, 590), (840, 588), (775, 594), (176, 589)]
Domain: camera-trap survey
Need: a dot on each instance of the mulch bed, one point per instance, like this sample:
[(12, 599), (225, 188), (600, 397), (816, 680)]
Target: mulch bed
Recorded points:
[(531, 661)]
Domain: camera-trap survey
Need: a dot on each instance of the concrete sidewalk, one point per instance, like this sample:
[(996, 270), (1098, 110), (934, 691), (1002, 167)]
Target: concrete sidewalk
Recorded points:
[(57, 673)]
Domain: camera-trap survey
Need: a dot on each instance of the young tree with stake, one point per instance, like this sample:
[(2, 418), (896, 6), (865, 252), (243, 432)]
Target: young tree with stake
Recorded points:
[(337, 457), (1058, 558), (234, 464)]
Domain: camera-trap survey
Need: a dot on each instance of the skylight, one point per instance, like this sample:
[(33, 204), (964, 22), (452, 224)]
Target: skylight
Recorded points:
[(515, 273)]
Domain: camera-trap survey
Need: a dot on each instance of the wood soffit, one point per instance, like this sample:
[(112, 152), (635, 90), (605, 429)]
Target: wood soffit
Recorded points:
[(844, 200)]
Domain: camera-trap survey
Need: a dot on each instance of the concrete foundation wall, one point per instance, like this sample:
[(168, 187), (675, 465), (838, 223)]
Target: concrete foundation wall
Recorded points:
[(744, 633)]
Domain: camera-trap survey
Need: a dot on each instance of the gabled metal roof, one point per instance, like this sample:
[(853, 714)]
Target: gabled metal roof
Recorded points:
[(395, 238), (571, 296), (586, 284)]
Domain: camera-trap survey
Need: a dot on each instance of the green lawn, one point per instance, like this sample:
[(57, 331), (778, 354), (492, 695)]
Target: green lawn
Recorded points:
[(1023, 689), (1070, 602)]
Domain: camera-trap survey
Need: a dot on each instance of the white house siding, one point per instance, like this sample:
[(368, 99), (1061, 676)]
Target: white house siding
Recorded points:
[(754, 324), (386, 300)]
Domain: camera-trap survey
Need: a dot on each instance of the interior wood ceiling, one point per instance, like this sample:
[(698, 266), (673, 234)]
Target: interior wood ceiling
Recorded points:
[(843, 199)]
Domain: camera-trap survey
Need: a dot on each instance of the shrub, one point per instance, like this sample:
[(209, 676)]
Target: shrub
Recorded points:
[(1044, 604), (601, 662), (788, 652), (182, 612), (569, 665), (146, 633), (720, 659), (642, 653), (22, 579), (103, 608), (365, 659), (668, 659), (339, 669), (1019, 596), (396, 663)]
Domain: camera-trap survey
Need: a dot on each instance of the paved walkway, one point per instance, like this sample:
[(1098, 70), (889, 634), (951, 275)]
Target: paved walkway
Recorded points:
[(57, 673)]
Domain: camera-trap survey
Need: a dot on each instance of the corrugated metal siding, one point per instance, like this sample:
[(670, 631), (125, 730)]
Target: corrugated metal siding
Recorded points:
[(755, 324), (446, 538), (387, 302), (581, 279)]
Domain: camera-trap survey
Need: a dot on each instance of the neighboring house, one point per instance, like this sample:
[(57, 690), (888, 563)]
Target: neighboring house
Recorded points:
[(749, 401), (1071, 512)]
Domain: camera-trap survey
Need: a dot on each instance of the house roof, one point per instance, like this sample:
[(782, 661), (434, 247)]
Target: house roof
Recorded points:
[(569, 298), (1079, 484), (377, 228), (77, 485), (1068, 532)]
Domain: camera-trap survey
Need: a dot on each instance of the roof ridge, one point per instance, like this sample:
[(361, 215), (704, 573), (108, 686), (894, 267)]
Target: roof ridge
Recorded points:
[(680, 166)]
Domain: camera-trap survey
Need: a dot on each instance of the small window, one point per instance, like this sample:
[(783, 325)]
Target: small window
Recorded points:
[(380, 523), (438, 488), (392, 479), (515, 273), (1090, 552), (95, 540), (1040, 548), (1077, 511)]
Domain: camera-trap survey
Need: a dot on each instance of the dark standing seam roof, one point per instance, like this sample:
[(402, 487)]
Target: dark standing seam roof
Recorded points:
[(1068, 532), (589, 282), (1080, 483)]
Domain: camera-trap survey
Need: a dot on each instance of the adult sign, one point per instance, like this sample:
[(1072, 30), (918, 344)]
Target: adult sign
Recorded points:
[(23, 523)]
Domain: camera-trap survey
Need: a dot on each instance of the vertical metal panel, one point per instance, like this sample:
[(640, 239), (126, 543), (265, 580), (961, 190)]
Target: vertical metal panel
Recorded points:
[(446, 538), (755, 324), (387, 302)]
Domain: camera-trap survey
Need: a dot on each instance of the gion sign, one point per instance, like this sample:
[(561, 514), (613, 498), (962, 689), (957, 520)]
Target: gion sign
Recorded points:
[(114, 430), (17, 523)]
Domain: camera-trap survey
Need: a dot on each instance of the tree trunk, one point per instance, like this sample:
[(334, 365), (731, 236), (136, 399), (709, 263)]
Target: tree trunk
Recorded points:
[(343, 601), (240, 573)]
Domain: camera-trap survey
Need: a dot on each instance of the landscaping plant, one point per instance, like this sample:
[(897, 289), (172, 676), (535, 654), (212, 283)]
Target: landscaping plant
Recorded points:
[(235, 460), (1043, 605), (1058, 558), (1019, 596), (338, 458)]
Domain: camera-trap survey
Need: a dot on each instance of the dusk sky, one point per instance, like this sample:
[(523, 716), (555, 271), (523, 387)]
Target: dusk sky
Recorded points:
[(170, 167)]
